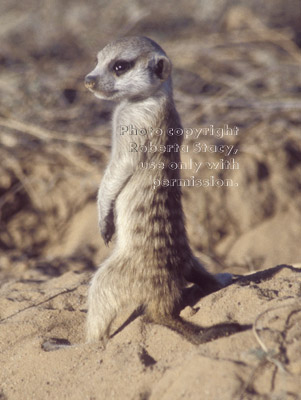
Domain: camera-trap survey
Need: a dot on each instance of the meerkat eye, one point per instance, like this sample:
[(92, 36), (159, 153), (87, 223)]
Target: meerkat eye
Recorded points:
[(122, 66)]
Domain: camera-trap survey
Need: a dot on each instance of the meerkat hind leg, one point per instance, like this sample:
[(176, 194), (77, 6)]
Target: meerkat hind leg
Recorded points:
[(103, 304), (99, 330)]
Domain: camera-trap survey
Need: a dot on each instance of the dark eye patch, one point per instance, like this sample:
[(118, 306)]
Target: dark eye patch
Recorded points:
[(121, 66)]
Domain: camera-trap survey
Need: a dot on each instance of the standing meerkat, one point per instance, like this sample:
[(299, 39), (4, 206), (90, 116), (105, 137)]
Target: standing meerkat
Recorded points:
[(152, 260)]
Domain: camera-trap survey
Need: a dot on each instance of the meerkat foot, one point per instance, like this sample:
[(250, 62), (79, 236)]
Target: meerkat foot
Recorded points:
[(224, 278), (95, 330), (208, 283), (99, 321)]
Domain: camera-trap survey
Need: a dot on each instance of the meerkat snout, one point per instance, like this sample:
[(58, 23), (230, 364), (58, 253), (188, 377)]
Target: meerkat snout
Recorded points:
[(90, 81)]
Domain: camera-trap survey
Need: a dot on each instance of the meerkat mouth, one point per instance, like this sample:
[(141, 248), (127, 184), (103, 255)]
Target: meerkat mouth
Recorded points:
[(101, 93), (92, 84)]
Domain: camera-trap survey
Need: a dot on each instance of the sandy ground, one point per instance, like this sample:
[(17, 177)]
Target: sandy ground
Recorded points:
[(233, 64), (144, 361)]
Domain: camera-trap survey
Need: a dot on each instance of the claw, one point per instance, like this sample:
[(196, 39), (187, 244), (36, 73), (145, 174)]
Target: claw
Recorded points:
[(107, 231)]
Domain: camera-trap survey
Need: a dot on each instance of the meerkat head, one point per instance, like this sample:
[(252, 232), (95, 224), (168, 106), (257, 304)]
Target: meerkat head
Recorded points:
[(129, 68)]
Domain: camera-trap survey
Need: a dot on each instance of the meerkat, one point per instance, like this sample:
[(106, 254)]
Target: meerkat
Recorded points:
[(152, 261)]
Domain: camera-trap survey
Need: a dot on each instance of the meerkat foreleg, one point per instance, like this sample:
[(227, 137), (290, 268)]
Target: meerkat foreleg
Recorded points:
[(115, 178)]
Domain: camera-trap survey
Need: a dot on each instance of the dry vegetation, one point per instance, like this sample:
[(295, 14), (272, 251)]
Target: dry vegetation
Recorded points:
[(234, 65)]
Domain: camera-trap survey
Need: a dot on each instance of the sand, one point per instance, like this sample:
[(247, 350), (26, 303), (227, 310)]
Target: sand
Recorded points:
[(147, 361)]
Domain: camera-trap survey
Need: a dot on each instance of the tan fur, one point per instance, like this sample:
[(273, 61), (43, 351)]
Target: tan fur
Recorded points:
[(152, 261)]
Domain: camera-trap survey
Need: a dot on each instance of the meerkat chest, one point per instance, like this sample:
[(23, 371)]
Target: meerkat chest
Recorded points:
[(130, 117)]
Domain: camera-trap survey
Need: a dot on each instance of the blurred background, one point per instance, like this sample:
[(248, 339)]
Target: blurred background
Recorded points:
[(235, 62)]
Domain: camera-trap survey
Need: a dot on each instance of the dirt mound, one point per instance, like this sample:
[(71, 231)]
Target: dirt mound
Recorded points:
[(150, 361)]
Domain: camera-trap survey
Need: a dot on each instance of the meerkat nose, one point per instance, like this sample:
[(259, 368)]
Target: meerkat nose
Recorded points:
[(90, 81)]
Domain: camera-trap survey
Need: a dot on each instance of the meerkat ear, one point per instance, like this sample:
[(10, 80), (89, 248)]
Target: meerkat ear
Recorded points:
[(162, 67)]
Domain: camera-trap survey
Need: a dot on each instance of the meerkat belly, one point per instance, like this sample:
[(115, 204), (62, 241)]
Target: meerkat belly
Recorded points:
[(145, 211), (150, 226)]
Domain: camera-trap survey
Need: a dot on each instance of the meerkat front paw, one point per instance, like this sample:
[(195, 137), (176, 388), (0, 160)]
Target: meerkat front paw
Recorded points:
[(107, 227)]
